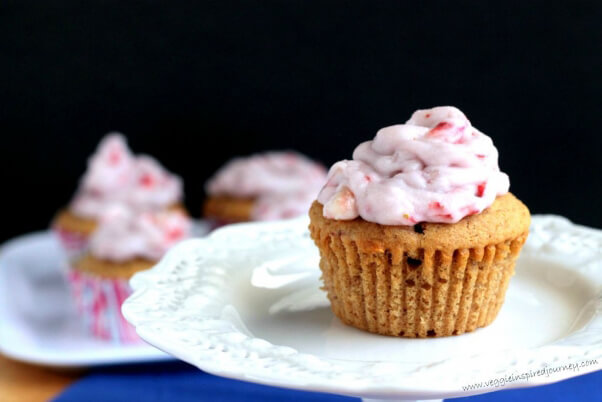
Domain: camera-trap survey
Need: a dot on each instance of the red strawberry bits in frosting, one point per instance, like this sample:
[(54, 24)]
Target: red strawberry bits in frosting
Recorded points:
[(434, 168), (124, 234), (115, 175), (283, 184)]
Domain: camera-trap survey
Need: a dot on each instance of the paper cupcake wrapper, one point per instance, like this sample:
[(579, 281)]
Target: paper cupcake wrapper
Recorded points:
[(416, 293), (73, 243), (98, 301)]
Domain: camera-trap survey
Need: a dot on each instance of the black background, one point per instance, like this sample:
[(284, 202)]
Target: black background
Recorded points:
[(194, 83)]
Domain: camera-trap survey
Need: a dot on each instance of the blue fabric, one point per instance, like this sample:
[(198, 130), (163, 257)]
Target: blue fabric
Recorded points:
[(181, 382), (176, 382)]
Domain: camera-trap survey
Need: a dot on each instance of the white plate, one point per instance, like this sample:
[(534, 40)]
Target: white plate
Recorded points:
[(38, 323), (245, 303)]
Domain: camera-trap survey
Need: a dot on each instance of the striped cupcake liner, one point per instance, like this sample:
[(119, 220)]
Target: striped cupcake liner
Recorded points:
[(416, 293), (98, 302)]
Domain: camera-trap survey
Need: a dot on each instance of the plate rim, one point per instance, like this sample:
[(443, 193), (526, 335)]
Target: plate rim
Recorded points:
[(140, 353), (142, 282)]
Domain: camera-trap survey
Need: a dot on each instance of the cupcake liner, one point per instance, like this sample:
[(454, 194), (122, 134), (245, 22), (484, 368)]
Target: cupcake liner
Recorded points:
[(73, 243), (98, 301), (415, 292)]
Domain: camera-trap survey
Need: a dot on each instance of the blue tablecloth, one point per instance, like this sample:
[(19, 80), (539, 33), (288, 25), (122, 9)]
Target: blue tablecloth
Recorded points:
[(179, 381)]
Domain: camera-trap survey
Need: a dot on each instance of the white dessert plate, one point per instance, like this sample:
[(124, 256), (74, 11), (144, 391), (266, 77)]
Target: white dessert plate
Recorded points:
[(245, 303), (38, 322)]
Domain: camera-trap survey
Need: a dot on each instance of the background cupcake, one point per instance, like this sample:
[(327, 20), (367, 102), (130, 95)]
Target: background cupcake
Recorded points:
[(125, 242), (115, 176), (267, 186), (418, 234)]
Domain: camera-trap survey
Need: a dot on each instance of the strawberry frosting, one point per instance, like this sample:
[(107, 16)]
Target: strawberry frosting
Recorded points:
[(115, 175), (124, 234), (284, 184), (434, 168)]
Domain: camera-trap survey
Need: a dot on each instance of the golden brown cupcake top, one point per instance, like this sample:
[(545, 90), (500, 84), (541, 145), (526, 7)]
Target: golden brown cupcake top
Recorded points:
[(228, 209), (507, 218), (67, 220), (111, 269)]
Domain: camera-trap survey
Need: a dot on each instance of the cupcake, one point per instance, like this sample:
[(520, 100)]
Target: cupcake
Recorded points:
[(115, 176), (418, 234), (267, 186), (125, 242)]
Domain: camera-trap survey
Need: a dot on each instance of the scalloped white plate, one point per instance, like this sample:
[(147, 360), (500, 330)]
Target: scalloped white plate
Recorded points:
[(38, 322), (245, 303)]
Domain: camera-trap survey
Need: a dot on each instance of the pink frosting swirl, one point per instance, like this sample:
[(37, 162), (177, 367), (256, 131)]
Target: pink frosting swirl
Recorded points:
[(153, 187), (284, 184), (115, 175), (124, 234), (434, 168)]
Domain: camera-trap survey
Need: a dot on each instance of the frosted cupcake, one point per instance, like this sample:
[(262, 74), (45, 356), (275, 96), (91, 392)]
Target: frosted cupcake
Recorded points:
[(267, 186), (124, 243), (418, 234), (115, 176)]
